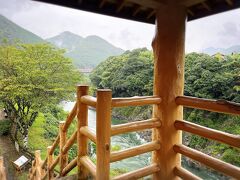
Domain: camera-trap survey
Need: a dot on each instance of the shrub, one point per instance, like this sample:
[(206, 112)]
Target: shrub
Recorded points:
[(5, 127)]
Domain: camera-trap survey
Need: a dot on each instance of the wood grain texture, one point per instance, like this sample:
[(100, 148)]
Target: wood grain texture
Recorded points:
[(135, 126), (82, 116), (86, 131), (134, 151), (69, 167), (221, 106), (214, 163), (38, 165), (89, 165), (103, 114), (142, 172), (230, 139), (70, 117), (185, 174), (63, 139), (55, 144), (2, 169), (168, 48), (89, 100), (135, 101), (70, 142)]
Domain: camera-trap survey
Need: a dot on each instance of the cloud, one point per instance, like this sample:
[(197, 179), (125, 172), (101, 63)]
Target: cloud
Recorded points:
[(47, 20)]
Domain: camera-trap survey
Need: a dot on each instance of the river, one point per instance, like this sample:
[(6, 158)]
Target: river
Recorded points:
[(132, 139)]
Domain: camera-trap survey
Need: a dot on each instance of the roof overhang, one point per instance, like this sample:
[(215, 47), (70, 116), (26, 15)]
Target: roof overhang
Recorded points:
[(144, 10)]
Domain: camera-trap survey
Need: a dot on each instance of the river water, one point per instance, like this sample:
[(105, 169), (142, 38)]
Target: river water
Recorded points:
[(133, 139)]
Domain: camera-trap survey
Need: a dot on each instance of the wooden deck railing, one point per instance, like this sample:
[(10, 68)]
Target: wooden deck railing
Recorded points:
[(103, 104), (2, 169), (220, 106)]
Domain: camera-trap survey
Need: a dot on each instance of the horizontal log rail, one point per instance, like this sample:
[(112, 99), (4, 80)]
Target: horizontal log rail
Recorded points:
[(2, 169), (104, 103), (221, 106), (69, 167), (134, 151), (89, 100), (69, 142), (142, 172), (70, 118), (86, 131), (214, 163), (135, 126), (135, 101), (45, 176), (55, 144), (55, 162), (44, 164), (185, 174), (89, 165), (232, 140)]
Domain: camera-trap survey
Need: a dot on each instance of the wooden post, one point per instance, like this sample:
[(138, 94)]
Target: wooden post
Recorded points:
[(38, 164), (2, 169), (103, 108), (82, 116), (168, 47), (62, 142), (49, 163), (33, 169)]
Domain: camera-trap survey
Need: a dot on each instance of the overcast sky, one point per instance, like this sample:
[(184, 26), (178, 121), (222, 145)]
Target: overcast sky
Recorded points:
[(222, 30)]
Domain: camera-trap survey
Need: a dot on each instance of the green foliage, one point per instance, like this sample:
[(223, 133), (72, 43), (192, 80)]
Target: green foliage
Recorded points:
[(13, 32), (37, 141), (4, 127), (127, 75), (212, 77), (32, 79), (232, 156)]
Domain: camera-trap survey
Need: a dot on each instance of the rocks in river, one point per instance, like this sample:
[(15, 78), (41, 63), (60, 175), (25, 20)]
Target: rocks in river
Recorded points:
[(146, 135)]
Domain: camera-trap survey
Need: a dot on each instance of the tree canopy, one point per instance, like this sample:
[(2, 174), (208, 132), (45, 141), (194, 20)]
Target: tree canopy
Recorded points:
[(32, 78), (213, 77)]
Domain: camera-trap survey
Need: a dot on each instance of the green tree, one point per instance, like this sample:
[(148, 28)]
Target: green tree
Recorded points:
[(32, 78)]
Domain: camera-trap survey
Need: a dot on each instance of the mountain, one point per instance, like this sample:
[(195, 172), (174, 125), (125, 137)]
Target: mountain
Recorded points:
[(13, 32), (86, 52), (225, 51)]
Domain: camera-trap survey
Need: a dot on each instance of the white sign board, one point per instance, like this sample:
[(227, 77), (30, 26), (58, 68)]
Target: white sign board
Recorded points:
[(21, 161)]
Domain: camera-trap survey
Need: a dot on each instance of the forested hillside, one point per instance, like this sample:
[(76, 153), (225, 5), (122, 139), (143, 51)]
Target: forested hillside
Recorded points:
[(12, 32), (85, 52), (131, 74)]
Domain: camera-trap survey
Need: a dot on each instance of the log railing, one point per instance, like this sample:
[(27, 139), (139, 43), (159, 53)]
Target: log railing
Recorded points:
[(103, 104), (220, 106), (2, 169)]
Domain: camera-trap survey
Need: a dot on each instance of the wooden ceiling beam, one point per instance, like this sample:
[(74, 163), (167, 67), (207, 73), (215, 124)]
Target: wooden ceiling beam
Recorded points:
[(154, 4), (136, 11), (189, 3), (151, 14), (121, 5), (189, 11), (229, 2), (206, 6), (102, 3), (148, 4)]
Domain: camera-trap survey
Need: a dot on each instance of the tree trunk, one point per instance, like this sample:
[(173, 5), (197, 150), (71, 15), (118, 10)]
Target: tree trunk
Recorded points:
[(25, 138)]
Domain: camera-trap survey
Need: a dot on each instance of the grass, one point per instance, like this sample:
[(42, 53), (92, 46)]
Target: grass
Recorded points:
[(36, 136)]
